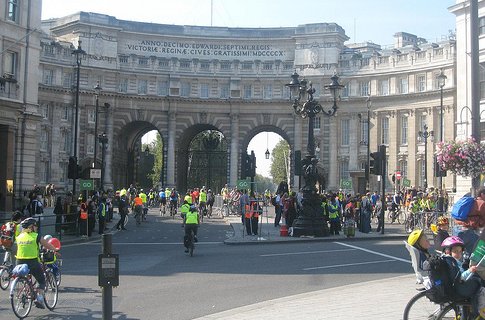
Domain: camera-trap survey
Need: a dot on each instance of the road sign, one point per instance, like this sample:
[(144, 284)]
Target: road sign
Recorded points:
[(95, 173), (86, 185), (406, 182), (243, 184), (398, 175), (346, 183)]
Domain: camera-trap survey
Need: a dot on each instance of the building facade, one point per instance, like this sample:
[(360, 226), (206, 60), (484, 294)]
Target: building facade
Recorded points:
[(19, 129), (182, 80)]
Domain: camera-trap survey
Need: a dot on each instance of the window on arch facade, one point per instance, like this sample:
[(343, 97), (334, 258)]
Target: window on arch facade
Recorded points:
[(13, 10), (385, 130), (344, 169)]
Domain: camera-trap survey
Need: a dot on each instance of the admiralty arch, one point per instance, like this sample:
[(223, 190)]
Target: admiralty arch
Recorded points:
[(182, 80)]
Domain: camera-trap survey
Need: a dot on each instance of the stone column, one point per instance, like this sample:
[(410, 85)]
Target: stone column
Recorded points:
[(333, 150), (233, 169), (354, 137), (171, 149)]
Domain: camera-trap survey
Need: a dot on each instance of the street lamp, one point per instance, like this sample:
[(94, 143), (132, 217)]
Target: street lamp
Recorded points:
[(103, 139), (97, 92), (266, 154), (423, 137), (441, 83), (310, 221), (78, 53)]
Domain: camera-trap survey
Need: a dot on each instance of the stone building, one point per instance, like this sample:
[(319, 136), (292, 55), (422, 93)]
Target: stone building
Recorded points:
[(182, 80)]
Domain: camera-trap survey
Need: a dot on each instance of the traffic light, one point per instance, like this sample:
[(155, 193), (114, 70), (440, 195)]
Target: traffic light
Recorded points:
[(438, 172), (72, 168), (376, 163), (252, 165), (246, 166)]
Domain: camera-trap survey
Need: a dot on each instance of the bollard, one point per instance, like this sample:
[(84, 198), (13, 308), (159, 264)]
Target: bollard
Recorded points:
[(108, 275)]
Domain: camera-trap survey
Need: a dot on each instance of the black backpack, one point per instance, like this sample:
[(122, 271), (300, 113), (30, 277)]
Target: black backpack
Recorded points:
[(443, 273)]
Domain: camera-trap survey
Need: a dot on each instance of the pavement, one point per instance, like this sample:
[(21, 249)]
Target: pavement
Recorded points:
[(381, 299)]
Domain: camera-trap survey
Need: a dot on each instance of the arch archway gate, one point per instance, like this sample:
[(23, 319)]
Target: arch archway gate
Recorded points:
[(179, 120)]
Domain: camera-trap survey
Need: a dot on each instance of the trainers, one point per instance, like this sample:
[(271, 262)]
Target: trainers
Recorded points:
[(39, 302), (186, 251)]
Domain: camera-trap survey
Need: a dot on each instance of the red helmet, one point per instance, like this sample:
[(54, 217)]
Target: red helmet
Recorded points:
[(452, 241)]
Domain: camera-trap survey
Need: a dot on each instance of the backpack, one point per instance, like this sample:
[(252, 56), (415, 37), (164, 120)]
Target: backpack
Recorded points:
[(273, 201), (173, 195), (443, 272), (462, 208), (7, 234)]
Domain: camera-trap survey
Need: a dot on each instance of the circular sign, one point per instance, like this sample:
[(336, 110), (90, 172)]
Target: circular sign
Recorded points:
[(398, 175)]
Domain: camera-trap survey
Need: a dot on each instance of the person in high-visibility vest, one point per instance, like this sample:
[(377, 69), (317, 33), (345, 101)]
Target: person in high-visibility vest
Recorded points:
[(183, 211), (102, 215), (252, 216), (192, 220), (83, 217), (202, 200), (28, 243), (334, 215)]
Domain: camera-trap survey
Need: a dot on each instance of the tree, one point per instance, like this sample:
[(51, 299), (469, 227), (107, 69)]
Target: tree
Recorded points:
[(280, 165), (263, 183), (156, 148)]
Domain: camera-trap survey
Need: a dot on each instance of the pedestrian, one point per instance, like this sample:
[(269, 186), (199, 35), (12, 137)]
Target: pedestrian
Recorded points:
[(366, 213), (379, 211), (59, 212), (91, 215), (83, 216), (123, 211), (334, 215), (278, 210), (292, 209)]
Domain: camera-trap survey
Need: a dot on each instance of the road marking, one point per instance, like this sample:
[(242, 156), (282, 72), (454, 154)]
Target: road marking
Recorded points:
[(348, 264), (304, 252), (373, 252)]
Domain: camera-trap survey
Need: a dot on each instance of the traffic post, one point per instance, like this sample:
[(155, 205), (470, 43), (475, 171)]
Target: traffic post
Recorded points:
[(108, 275)]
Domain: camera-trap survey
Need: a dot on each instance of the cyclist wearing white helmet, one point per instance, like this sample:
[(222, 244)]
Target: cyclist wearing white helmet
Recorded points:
[(28, 253)]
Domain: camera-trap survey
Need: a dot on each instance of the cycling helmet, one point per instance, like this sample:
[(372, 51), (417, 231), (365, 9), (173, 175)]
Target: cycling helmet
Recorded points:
[(452, 241), (16, 215), (443, 221), (47, 237), (28, 223), (414, 237)]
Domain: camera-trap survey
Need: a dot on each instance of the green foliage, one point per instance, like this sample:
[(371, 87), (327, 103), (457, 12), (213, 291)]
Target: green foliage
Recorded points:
[(280, 162), (263, 183), (156, 148)]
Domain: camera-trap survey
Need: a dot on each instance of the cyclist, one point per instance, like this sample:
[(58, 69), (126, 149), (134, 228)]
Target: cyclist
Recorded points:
[(143, 197), (138, 208), (192, 220), (8, 242), (163, 201), (210, 201), (203, 201), (173, 201), (184, 209), (28, 253)]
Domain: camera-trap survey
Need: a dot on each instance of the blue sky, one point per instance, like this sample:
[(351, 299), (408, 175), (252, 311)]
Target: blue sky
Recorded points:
[(369, 20), (363, 20)]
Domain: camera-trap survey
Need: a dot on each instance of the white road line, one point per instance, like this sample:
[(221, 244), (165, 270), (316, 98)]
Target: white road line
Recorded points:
[(304, 252), (165, 243), (348, 265), (373, 252)]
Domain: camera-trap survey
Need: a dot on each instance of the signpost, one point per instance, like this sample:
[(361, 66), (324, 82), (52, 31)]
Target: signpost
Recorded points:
[(346, 184), (406, 182), (86, 185), (95, 173), (243, 184)]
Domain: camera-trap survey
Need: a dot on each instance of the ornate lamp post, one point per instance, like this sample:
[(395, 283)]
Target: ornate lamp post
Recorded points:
[(441, 83), (103, 139), (78, 53), (423, 137), (310, 221)]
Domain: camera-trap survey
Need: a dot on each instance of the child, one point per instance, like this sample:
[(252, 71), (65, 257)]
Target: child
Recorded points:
[(418, 240), (469, 285), (442, 233)]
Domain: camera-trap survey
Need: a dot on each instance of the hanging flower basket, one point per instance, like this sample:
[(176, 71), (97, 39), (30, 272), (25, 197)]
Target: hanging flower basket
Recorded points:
[(465, 158)]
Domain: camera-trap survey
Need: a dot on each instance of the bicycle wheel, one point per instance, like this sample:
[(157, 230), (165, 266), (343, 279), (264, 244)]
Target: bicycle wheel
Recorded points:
[(21, 297), (4, 278), (50, 292), (420, 307)]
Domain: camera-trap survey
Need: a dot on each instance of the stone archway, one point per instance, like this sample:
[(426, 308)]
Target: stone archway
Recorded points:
[(198, 161), (128, 154)]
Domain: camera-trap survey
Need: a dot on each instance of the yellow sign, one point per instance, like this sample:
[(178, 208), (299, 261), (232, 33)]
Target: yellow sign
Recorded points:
[(9, 187)]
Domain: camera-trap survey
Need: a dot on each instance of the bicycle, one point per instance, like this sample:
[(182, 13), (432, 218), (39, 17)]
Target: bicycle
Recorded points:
[(173, 209), (138, 214), (5, 275), (51, 261), (396, 215), (190, 243), (420, 307), (23, 293)]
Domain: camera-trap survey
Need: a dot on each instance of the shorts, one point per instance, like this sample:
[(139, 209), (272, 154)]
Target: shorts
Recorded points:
[(163, 201)]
